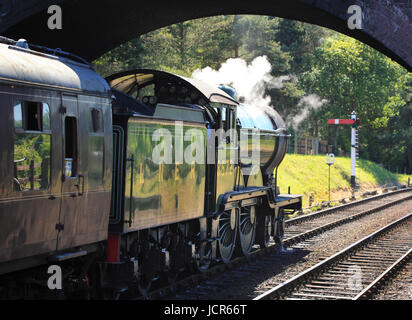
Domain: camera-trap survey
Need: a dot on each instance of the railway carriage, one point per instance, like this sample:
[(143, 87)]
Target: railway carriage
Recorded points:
[(56, 157), (126, 180)]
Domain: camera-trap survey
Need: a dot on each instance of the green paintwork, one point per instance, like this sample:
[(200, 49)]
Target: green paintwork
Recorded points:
[(267, 145), (161, 193)]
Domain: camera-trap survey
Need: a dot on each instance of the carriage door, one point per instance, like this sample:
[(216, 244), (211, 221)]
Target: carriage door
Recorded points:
[(72, 197)]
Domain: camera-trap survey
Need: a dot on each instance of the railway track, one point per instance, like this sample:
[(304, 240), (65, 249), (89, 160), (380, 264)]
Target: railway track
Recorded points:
[(356, 271), (304, 227), (297, 230)]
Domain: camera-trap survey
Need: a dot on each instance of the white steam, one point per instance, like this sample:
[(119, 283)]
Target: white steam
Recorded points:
[(307, 104), (249, 80), (252, 80)]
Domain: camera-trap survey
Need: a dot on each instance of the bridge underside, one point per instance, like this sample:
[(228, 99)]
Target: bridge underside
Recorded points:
[(91, 28)]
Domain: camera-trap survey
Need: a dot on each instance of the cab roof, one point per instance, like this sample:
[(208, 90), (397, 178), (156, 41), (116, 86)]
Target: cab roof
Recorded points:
[(137, 78)]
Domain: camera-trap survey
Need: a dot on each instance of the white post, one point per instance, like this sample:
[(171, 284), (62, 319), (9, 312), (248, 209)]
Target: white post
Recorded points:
[(353, 154)]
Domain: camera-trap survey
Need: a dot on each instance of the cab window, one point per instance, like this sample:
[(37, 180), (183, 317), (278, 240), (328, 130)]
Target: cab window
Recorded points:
[(224, 117)]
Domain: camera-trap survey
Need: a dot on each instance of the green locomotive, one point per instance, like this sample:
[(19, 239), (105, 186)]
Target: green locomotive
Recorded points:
[(212, 193)]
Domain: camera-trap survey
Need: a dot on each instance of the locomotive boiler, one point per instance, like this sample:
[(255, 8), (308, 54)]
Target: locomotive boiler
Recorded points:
[(127, 181)]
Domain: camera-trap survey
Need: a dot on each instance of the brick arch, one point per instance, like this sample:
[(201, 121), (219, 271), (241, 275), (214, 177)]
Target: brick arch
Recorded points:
[(90, 30)]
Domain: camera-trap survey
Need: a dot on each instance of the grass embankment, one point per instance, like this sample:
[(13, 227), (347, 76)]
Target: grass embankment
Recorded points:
[(308, 175)]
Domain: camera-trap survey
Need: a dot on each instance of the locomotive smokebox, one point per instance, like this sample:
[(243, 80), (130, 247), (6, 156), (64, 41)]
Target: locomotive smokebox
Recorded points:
[(268, 126), (271, 130)]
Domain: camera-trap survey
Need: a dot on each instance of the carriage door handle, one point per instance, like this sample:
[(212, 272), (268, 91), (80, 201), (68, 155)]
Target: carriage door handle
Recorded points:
[(81, 177)]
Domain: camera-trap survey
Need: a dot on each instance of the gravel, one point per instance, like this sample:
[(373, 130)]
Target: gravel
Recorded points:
[(399, 288), (283, 265)]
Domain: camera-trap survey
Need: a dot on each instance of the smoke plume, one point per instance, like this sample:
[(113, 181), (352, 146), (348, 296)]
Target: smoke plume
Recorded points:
[(251, 82), (307, 104)]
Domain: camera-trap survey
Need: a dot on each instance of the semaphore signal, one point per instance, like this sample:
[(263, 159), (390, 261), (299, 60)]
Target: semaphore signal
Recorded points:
[(354, 153)]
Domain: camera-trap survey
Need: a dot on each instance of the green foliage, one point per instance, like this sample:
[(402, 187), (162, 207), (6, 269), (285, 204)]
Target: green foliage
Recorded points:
[(349, 74), (126, 56), (259, 38), (31, 146), (353, 76)]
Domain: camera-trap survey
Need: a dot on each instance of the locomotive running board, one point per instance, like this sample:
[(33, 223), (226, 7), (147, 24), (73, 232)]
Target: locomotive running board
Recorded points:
[(289, 201), (252, 195)]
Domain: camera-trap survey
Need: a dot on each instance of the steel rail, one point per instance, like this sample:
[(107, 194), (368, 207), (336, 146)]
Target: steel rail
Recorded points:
[(307, 234), (378, 282), (288, 286), (327, 211), (255, 254)]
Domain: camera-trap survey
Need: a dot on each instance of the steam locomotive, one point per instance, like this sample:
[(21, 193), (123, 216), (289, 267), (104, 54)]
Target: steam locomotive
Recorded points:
[(127, 181)]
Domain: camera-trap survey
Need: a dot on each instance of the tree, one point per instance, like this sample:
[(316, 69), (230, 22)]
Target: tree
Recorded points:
[(353, 76), (126, 56), (309, 59)]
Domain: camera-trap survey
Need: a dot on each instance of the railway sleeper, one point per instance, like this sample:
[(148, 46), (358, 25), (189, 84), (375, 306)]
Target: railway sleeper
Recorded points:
[(318, 296), (340, 291)]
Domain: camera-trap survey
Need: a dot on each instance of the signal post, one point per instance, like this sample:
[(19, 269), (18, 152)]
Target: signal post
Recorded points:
[(354, 151)]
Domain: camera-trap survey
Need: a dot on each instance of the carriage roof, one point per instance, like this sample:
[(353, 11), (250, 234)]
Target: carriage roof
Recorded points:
[(22, 64)]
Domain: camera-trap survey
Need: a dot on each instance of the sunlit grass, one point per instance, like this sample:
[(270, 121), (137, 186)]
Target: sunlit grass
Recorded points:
[(308, 175)]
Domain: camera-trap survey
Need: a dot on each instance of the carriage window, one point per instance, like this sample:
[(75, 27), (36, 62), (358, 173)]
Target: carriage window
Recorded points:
[(31, 116), (31, 161), (96, 148), (46, 117), (95, 120), (96, 160), (70, 156), (18, 117), (31, 167)]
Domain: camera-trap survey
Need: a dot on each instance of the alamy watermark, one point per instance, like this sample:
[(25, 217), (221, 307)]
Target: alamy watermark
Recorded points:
[(355, 20), (231, 145), (355, 278), (55, 280), (55, 21)]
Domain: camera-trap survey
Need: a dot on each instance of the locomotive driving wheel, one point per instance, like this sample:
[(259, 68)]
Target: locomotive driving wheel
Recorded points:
[(247, 230), (264, 230), (227, 234)]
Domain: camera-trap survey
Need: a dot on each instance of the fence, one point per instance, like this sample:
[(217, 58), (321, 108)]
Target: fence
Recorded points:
[(307, 145), (301, 144), (29, 175)]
